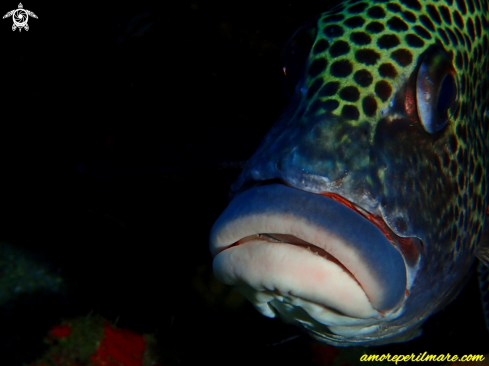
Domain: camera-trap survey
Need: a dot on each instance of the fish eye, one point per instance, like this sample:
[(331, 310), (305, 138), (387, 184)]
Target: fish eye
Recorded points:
[(294, 56), (436, 91), (446, 95)]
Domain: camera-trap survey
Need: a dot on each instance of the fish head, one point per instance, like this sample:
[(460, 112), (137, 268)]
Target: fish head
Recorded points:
[(361, 211)]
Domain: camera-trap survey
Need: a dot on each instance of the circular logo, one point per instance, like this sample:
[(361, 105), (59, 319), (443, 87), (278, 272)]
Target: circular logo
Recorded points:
[(20, 17)]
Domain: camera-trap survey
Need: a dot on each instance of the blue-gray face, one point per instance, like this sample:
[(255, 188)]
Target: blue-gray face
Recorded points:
[(362, 210)]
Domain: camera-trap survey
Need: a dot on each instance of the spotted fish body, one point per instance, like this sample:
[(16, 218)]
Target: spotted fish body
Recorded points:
[(379, 165)]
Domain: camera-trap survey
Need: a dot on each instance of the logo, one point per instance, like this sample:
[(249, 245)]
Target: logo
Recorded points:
[(20, 17)]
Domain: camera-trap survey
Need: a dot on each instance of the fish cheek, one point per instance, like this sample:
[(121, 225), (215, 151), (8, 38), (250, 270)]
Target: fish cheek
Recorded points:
[(415, 190)]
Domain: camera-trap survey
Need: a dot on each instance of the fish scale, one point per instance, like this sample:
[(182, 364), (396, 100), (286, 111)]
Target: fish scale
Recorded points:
[(390, 113)]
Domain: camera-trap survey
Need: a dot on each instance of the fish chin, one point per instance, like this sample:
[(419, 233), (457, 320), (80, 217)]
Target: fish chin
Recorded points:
[(310, 260)]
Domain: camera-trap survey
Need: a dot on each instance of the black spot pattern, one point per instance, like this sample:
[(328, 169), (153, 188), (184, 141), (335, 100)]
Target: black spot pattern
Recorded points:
[(360, 38), (375, 27), (452, 36), (388, 41), (485, 22), (396, 24), (350, 112), (369, 106), (453, 144), (363, 78), (350, 94), (414, 41), (434, 13), (478, 27), (412, 4), (458, 19), (446, 15), (376, 12), (341, 68), (444, 36), (383, 90), (329, 89), (367, 56), (471, 28), (339, 48), (354, 22), (459, 60), (460, 36), (330, 105), (461, 6), (427, 22), (387, 70), (321, 46), (477, 174), (317, 67), (468, 42), (420, 31), (356, 72), (403, 57), (395, 8), (409, 16), (467, 63), (333, 31)]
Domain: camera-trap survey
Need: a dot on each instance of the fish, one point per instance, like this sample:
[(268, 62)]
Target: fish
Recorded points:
[(363, 210)]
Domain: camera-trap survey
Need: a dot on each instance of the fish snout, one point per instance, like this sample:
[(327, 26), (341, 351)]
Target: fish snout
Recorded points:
[(309, 259)]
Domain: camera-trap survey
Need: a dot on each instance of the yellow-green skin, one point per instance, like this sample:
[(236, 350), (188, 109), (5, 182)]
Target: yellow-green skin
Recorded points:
[(354, 129)]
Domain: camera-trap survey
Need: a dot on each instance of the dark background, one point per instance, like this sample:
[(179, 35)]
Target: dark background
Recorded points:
[(121, 130)]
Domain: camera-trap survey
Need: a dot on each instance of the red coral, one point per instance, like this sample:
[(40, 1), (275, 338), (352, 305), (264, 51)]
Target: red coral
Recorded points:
[(120, 347), (61, 331)]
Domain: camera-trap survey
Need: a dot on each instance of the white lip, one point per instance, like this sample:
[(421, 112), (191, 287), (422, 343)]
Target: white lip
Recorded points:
[(352, 283), (288, 270)]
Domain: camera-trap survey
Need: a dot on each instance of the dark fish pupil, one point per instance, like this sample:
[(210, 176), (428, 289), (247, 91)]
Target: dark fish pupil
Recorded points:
[(446, 96)]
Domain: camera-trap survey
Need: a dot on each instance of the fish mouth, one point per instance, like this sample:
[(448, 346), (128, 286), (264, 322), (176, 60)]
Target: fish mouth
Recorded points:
[(316, 260)]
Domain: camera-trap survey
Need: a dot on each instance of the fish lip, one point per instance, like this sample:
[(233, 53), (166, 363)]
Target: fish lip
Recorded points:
[(355, 212), (410, 246)]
